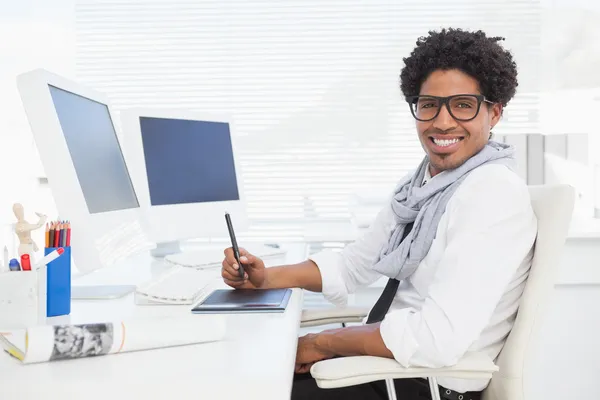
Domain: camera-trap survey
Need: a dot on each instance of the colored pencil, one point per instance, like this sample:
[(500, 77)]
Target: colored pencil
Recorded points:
[(51, 235)]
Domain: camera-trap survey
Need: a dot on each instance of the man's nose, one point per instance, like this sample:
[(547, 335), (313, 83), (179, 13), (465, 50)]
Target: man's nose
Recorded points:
[(444, 120)]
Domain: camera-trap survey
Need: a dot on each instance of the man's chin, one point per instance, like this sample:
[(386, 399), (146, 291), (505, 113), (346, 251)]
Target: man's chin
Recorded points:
[(445, 162)]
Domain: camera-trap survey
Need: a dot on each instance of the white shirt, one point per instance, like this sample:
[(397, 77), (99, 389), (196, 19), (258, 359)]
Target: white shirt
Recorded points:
[(465, 293)]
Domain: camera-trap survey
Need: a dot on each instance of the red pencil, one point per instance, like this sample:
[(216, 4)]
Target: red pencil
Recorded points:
[(68, 233), (56, 235)]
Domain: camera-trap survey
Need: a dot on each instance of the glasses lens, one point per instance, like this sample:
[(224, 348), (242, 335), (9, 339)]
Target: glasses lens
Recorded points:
[(425, 108), (464, 107)]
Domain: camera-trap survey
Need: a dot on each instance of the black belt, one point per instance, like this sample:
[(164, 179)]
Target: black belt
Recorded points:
[(448, 394)]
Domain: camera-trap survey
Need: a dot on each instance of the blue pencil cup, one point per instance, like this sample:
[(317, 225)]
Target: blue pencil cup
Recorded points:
[(58, 286)]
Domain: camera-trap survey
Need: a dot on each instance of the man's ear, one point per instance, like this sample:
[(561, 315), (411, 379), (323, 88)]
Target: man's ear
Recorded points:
[(496, 111)]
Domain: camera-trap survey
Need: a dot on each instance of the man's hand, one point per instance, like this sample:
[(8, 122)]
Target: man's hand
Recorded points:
[(309, 353), (364, 340), (254, 270)]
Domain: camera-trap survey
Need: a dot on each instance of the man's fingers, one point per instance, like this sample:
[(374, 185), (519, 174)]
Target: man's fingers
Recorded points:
[(303, 368), (248, 259), (231, 274), (245, 257), (232, 262), (230, 257), (234, 284), (232, 269)]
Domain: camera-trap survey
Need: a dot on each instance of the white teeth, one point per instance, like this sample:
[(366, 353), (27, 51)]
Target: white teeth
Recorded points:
[(445, 142)]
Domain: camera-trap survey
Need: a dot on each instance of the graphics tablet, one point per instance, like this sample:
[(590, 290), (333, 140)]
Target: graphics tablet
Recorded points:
[(223, 301)]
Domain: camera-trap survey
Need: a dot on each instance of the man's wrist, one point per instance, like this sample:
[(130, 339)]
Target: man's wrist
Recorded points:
[(304, 275), (323, 343), (352, 341), (266, 282)]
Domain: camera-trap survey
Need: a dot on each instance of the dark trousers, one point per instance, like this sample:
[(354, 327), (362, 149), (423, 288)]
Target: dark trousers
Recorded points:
[(305, 388)]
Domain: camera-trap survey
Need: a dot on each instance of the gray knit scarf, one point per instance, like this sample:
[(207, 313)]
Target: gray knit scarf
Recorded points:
[(424, 206)]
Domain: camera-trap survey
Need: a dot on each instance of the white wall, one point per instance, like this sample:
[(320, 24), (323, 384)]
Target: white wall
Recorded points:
[(33, 34), (568, 361), (567, 365)]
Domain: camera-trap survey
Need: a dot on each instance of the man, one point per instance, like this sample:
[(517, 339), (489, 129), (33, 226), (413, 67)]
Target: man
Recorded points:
[(456, 237)]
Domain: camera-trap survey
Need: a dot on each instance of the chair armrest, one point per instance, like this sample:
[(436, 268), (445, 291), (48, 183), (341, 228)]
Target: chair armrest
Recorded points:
[(350, 371), (332, 316)]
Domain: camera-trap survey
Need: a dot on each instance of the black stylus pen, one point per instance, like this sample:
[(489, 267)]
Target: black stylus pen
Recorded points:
[(234, 246)]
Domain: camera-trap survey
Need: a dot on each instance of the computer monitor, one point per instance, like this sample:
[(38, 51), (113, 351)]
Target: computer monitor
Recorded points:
[(185, 169), (76, 139)]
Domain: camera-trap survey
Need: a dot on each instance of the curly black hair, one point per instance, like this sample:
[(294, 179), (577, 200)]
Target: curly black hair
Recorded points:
[(473, 53)]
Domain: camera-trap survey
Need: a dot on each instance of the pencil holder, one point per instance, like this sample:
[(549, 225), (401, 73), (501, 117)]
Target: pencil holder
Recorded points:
[(22, 299), (58, 286)]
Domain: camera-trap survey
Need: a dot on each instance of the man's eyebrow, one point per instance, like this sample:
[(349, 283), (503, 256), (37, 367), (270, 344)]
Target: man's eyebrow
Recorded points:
[(457, 94)]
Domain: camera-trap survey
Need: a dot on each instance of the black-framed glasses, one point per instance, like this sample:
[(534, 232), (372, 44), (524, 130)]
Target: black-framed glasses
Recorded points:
[(462, 107)]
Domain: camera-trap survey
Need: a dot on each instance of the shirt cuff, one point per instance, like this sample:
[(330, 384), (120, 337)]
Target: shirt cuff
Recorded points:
[(397, 337), (332, 284)]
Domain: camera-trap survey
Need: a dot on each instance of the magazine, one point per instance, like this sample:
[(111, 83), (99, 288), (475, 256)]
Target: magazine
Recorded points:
[(60, 342)]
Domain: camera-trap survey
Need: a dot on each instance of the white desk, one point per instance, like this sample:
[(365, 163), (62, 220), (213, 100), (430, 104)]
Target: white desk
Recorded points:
[(254, 361)]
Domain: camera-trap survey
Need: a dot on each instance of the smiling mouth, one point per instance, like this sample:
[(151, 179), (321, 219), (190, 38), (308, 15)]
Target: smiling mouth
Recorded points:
[(445, 142)]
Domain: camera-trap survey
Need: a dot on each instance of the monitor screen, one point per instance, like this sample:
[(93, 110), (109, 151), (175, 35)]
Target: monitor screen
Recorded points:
[(95, 152), (188, 161)]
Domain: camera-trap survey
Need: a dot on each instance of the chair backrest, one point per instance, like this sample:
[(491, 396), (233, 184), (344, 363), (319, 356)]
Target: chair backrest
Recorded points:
[(553, 207)]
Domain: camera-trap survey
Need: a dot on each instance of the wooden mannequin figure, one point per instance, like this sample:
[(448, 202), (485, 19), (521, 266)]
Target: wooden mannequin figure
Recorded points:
[(23, 230)]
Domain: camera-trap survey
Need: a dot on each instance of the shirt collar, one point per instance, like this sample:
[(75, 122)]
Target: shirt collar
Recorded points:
[(427, 176)]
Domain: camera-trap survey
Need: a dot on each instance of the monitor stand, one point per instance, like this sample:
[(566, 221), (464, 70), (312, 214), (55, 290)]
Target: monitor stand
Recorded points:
[(165, 248)]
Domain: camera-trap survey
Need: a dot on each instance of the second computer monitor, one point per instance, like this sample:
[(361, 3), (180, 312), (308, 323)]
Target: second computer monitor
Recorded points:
[(185, 171)]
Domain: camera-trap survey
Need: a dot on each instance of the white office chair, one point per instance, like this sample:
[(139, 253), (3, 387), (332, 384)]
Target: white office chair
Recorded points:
[(553, 206)]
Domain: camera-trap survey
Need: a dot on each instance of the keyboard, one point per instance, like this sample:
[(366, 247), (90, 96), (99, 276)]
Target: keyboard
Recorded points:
[(212, 257), (178, 285)]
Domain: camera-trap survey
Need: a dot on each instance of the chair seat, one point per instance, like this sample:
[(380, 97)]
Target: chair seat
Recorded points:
[(349, 371)]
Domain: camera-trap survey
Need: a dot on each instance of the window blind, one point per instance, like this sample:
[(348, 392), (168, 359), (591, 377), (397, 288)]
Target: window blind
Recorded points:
[(312, 84)]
